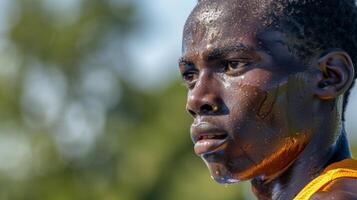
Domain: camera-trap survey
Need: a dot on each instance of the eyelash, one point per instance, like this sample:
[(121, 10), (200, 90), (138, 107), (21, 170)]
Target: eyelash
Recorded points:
[(234, 66), (190, 78), (230, 67)]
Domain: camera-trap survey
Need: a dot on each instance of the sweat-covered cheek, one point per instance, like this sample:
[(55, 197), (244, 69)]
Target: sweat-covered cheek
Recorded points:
[(281, 131), (267, 104), (250, 118), (261, 133), (271, 115), (253, 117), (250, 103), (245, 100)]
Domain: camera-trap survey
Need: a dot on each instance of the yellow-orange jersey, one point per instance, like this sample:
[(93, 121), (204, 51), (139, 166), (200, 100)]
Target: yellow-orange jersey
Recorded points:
[(343, 169)]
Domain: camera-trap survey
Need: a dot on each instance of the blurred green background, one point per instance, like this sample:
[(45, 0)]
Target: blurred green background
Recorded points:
[(91, 104)]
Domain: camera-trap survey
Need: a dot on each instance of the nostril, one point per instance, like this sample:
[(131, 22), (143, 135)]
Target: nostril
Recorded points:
[(206, 108), (192, 113)]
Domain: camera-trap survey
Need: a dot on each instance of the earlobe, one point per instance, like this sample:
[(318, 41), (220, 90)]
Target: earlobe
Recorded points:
[(336, 74)]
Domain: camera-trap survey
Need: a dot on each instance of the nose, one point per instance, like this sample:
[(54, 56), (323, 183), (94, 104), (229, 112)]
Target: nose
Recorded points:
[(204, 98)]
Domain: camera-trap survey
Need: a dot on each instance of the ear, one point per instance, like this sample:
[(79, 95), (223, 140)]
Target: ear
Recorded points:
[(337, 73)]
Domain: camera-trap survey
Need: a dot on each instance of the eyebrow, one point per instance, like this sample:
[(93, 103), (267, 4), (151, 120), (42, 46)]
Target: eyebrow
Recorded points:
[(183, 60), (218, 53)]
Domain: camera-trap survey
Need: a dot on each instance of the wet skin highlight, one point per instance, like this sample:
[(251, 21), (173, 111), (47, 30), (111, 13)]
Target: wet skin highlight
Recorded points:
[(255, 105)]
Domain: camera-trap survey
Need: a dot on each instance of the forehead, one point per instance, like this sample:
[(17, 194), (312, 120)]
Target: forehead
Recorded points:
[(219, 23)]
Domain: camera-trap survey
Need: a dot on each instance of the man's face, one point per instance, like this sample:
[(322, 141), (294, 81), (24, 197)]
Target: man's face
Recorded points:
[(250, 98)]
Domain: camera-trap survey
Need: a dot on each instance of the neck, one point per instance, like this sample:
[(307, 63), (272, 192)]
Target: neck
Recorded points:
[(317, 155)]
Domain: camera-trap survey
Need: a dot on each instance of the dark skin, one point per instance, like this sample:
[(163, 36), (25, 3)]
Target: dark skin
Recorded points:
[(260, 113)]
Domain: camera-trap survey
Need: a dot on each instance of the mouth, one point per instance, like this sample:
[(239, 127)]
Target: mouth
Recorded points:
[(208, 139)]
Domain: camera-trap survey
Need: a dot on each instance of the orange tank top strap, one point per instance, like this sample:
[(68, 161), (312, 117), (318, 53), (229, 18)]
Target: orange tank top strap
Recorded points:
[(343, 169)]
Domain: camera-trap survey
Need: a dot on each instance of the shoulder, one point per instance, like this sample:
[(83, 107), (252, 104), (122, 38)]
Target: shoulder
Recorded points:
[(342, 188)]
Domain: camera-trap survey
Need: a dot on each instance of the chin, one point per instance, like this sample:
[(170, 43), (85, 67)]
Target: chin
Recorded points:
[(226, 171), (225, 180), (220, 173)]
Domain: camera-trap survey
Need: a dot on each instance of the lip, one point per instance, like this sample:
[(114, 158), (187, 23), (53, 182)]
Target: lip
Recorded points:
[(204, 147), (208, 138)]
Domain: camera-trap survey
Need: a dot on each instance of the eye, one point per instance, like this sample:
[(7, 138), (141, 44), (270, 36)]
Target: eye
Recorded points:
[(190, 77), (232, 67)]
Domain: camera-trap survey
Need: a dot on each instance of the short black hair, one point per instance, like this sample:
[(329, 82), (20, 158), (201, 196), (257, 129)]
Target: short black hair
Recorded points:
[(318, 25), (314, 26)]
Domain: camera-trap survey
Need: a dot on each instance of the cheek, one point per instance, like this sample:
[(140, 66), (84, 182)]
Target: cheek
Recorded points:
[(285, 109), (248, 96), (250, 123), (250, 107), (256, 123), (267, 117), (245, 102), (266, 126)]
